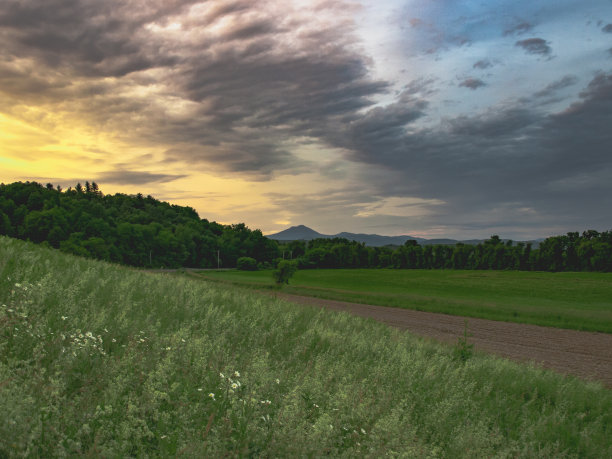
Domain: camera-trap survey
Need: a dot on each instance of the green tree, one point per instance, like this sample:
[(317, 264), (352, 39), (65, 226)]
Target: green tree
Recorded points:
[(285, 270), (246, 264)]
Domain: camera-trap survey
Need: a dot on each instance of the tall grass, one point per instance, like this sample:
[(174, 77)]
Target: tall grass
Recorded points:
[(101, 360)]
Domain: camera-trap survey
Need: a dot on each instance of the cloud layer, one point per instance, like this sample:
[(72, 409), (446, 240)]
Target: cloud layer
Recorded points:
[(432, 117)]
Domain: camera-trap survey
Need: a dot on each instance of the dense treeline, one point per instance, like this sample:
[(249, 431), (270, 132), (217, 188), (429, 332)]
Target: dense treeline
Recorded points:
[(142, 231), (133, 230), (591, 251)]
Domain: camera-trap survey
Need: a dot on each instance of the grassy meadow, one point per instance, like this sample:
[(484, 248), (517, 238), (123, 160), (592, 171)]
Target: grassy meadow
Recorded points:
[(102, 360), (581, 301)]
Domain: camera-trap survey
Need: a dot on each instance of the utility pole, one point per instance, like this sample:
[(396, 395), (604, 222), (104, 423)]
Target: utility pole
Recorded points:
[(218, 265)]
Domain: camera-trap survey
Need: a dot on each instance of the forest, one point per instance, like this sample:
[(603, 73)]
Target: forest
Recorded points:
[(132, 230), (589, 251), (145, 232)]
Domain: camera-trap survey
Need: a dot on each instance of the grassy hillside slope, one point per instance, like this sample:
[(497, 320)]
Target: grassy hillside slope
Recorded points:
[(580, 301), (103, 360)]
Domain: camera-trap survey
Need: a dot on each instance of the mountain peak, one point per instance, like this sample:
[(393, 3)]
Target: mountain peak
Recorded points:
[(296, 233)]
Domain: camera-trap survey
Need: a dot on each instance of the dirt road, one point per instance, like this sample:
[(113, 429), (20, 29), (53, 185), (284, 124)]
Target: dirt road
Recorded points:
[(584, 354)]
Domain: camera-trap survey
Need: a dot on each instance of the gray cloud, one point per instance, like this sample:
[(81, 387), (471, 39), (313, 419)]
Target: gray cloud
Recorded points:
[(430, 37), (124, 177), (90, 38), (607, 28), (493, 123), (508, 157), (472, 83), (552, 89), (482, 64), (518, 29), (535, 46), (264, 77)]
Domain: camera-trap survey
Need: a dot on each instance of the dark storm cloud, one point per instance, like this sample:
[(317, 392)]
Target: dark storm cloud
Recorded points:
[(472, 83), (513, 158), (580, 135), (251, 76), (493, 123), (535, 46), (123, 177), (377, 133), (87, 37)]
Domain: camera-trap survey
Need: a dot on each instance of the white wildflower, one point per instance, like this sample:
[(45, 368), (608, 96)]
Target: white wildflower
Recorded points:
[(64, 317), (200, 389), (363, 431), (211, 395), (221, 375), (236, 374), (234, 386), (277, 381)]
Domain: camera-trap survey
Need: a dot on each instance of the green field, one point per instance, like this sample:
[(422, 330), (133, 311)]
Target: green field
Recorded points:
[(581, 301), (105, 361)]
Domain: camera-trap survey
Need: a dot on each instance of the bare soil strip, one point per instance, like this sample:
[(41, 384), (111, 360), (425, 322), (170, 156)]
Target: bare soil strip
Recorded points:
[(587, 355)]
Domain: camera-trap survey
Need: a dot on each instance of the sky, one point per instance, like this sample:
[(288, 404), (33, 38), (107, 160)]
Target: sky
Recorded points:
[(431, 118)]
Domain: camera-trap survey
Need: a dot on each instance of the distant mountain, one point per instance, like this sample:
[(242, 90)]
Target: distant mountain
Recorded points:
[(303, 233), (297, 233)]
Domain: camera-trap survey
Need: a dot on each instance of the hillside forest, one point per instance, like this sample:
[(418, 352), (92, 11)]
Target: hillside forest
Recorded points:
[(142, 231)]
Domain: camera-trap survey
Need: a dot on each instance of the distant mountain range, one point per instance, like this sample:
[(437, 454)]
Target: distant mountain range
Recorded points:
[(303, 233)]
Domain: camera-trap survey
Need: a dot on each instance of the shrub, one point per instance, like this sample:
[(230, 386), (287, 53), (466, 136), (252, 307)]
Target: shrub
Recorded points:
[(246, 264), (284, 271)]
